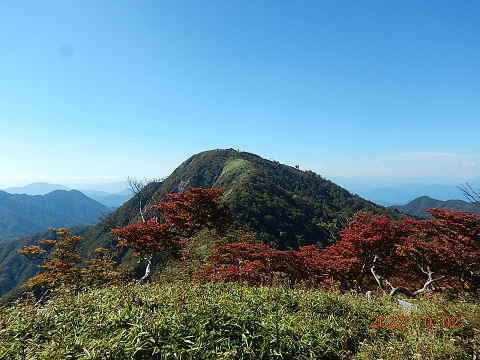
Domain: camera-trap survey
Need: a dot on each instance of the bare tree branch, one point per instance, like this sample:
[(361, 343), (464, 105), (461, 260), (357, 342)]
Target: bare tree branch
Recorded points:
[(400, 289), (430, 281), (376, 276), (136, 187), (472, 195)]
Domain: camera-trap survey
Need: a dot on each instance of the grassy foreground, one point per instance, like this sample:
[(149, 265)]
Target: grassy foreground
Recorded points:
[(231, 321)]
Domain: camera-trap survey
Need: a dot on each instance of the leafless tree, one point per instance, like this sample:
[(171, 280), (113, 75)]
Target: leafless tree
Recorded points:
[(136, 186), (472, 195)]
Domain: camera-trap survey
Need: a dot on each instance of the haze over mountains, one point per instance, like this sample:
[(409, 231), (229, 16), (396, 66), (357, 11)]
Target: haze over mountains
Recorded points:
[(111, 195), (385, 191), (38, 206), (417, 207), (399, 191), (408, 195)]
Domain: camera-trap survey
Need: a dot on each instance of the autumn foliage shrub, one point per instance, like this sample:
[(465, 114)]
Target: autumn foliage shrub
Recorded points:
[(195, 210), (259, 264), (443, 252), (185, 215), (408, 257), (60, 263)]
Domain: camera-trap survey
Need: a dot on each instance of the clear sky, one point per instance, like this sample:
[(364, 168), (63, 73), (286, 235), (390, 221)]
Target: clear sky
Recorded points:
[(101, 90)]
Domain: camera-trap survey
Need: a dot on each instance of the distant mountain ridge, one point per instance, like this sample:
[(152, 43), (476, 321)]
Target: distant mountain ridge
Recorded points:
[(400, 191), (37, 188), (22, 215), (417, 206), (109, 199)]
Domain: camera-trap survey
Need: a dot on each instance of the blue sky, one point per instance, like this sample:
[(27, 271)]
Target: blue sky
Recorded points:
[(97, 91)]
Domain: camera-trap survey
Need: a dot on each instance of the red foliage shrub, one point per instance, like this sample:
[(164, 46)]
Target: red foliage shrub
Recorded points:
[(374, 250), (185, 215), (258, 264)]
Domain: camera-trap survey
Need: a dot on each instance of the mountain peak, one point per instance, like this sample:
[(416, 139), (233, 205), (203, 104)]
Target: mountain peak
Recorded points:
[(281, 203), (417, 206)]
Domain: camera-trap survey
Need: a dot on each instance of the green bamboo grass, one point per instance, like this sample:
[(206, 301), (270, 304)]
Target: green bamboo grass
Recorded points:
[(232, 321)]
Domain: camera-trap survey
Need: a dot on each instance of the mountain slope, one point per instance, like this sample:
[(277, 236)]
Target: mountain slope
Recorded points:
[(106, 196), (73, 203), (108, 199), (417, 206), (22, 214), (15, 226)]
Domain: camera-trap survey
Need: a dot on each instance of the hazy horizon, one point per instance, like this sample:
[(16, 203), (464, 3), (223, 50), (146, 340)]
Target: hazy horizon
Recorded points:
[(374, 181)]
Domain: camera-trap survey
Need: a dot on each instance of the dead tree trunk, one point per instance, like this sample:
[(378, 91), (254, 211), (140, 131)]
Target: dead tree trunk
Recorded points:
[(148, 270)]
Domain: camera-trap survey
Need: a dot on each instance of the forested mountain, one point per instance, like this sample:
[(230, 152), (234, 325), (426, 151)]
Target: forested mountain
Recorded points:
[(285, 206), (22, 214), (417, 207), (282, 203)]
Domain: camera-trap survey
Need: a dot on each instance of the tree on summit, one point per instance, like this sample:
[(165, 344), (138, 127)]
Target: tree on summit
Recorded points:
[(184, 216)]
